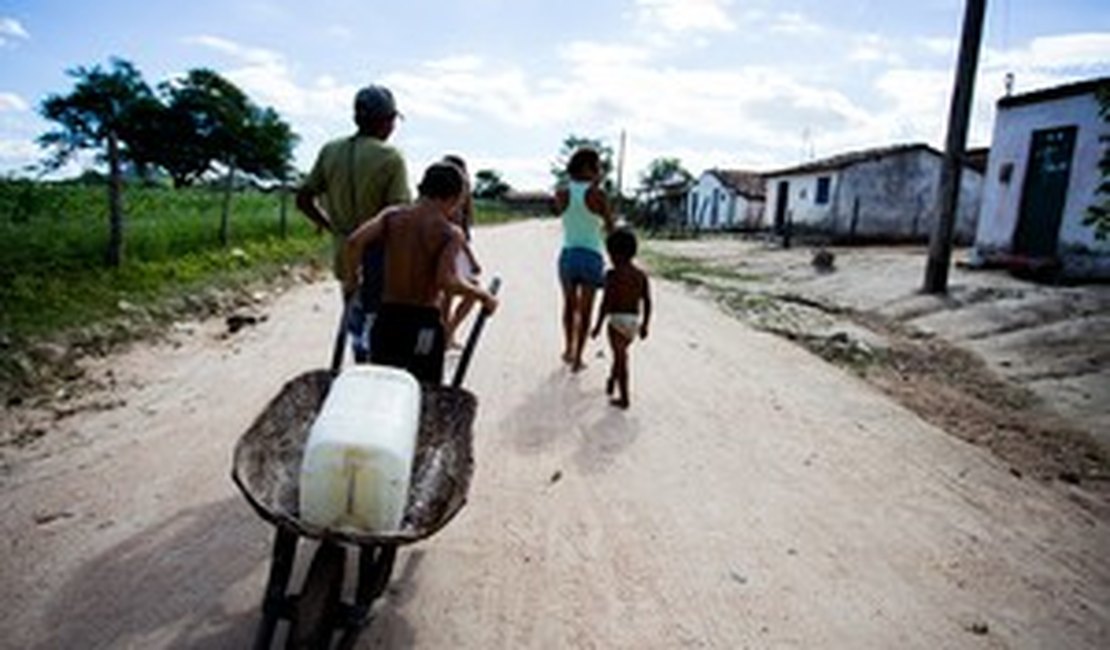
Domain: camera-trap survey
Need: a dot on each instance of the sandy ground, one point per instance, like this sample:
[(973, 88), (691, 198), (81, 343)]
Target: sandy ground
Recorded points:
[(753, 497), (1051, 340)]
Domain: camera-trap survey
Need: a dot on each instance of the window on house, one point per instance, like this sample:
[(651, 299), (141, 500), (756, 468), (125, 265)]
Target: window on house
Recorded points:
[(823, 183)]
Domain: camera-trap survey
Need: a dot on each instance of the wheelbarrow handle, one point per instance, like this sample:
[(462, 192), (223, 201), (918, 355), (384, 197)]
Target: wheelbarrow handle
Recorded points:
[(341, 336), (472, 338)]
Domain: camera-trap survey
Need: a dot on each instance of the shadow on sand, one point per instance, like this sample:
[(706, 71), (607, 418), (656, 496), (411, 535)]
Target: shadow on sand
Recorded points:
[(566, 404), (195, 580), (176, 581)]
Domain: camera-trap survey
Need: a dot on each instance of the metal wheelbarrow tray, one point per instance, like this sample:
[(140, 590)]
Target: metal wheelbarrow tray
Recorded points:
[(266, 468), (267, 460)]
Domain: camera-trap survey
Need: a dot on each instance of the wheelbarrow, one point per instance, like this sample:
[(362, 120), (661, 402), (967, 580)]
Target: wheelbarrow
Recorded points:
[(266, 468)]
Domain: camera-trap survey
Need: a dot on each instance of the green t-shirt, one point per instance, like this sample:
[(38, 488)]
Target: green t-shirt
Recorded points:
[(355, 178)]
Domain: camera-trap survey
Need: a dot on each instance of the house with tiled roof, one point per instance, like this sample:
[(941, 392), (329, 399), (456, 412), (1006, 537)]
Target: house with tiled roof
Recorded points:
[(880, 194), (1042, 177), (725, 199)]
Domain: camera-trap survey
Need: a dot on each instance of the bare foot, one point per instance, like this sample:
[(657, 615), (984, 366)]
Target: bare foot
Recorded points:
[(619, 403)]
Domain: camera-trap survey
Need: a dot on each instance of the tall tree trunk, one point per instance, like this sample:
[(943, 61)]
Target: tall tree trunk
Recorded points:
[(225, 214), (115, 203)]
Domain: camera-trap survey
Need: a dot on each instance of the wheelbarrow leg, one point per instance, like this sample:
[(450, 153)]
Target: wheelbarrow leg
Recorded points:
[(274, 602), (375, 565), (374, 569)]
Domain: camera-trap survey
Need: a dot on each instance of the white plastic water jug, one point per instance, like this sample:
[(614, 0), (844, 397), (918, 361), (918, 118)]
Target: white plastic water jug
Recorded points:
[(359, 454)]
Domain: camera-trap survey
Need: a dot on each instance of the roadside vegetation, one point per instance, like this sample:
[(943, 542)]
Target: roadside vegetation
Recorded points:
[(57, 294), (52, 241)]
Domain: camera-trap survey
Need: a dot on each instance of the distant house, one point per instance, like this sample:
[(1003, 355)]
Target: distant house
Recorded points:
[(723, 199), (538, 202), (665, 204), (1042, 177), (883, 194)]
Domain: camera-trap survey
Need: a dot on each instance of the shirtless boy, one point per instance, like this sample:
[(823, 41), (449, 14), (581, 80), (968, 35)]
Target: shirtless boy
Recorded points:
[(626, 287), (421, 246)]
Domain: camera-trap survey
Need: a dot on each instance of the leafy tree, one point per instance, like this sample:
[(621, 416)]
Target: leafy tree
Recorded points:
[(227, 130), (1098, 215), (267, 147), (571, 144), (100, 114), (167, 139), (488, 184), (662, 172)]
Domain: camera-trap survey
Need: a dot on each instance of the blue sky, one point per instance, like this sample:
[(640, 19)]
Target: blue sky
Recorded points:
[(717, 83)]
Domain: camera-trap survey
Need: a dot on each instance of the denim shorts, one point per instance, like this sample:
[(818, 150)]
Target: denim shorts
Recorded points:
[(581, 266)]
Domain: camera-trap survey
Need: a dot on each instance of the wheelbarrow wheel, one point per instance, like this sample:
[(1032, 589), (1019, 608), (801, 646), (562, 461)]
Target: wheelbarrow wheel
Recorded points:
[(317, 605)]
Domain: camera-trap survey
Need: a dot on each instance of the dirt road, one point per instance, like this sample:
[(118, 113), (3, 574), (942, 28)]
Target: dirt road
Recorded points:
[(754, 496)]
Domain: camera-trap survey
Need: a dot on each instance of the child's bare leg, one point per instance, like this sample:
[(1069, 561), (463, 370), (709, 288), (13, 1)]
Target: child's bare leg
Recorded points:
[(570, 309), (619, 343), (582, 329), (466, 303)]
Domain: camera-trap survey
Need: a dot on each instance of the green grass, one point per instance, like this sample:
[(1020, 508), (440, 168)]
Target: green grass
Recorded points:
[(690, 270), (488, 213), (51, 227), (53, 239)]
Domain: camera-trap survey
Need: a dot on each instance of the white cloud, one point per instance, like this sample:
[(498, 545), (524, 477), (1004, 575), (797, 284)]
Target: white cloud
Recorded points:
[(504, 93), (340, 32), (586, 53), (796, 24), (249, 55), (11, 30), (12, 102), (916, 103), (686, 15), (940, 45), (1044, 62), (460, 63), (267, 78), (872, 48), (1054, 52), (12, 27), (18, 154)]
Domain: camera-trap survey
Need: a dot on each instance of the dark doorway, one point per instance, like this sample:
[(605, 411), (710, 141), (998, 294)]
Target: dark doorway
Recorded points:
[(781, 198), (1044, 192)]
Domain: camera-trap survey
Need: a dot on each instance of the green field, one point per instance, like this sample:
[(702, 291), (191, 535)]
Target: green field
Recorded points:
[(53, 238)]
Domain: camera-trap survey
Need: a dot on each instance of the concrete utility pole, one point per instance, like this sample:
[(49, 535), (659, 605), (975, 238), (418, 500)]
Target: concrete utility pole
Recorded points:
[(620, 173), (948, 195)]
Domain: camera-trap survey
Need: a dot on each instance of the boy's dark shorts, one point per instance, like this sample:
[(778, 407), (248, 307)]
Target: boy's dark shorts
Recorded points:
[(581, 266), (409, 337)]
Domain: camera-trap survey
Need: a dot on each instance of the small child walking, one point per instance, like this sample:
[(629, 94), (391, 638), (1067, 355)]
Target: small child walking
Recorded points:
[(626, 287)]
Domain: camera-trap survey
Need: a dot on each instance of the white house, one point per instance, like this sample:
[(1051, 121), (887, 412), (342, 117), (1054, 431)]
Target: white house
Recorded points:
[(887, 193), (1042, 177), (725, 199)]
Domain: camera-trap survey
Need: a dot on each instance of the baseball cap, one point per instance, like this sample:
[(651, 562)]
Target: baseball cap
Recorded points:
[(375, 101)]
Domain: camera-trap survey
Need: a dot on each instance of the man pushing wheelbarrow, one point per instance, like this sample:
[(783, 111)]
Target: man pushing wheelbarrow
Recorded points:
[(420, 248), (421, 245)]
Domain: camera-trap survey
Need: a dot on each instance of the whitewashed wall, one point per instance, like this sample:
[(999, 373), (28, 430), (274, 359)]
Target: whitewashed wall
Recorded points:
[(801, 207), (890, 198), (733, 210), (1013, 134)]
